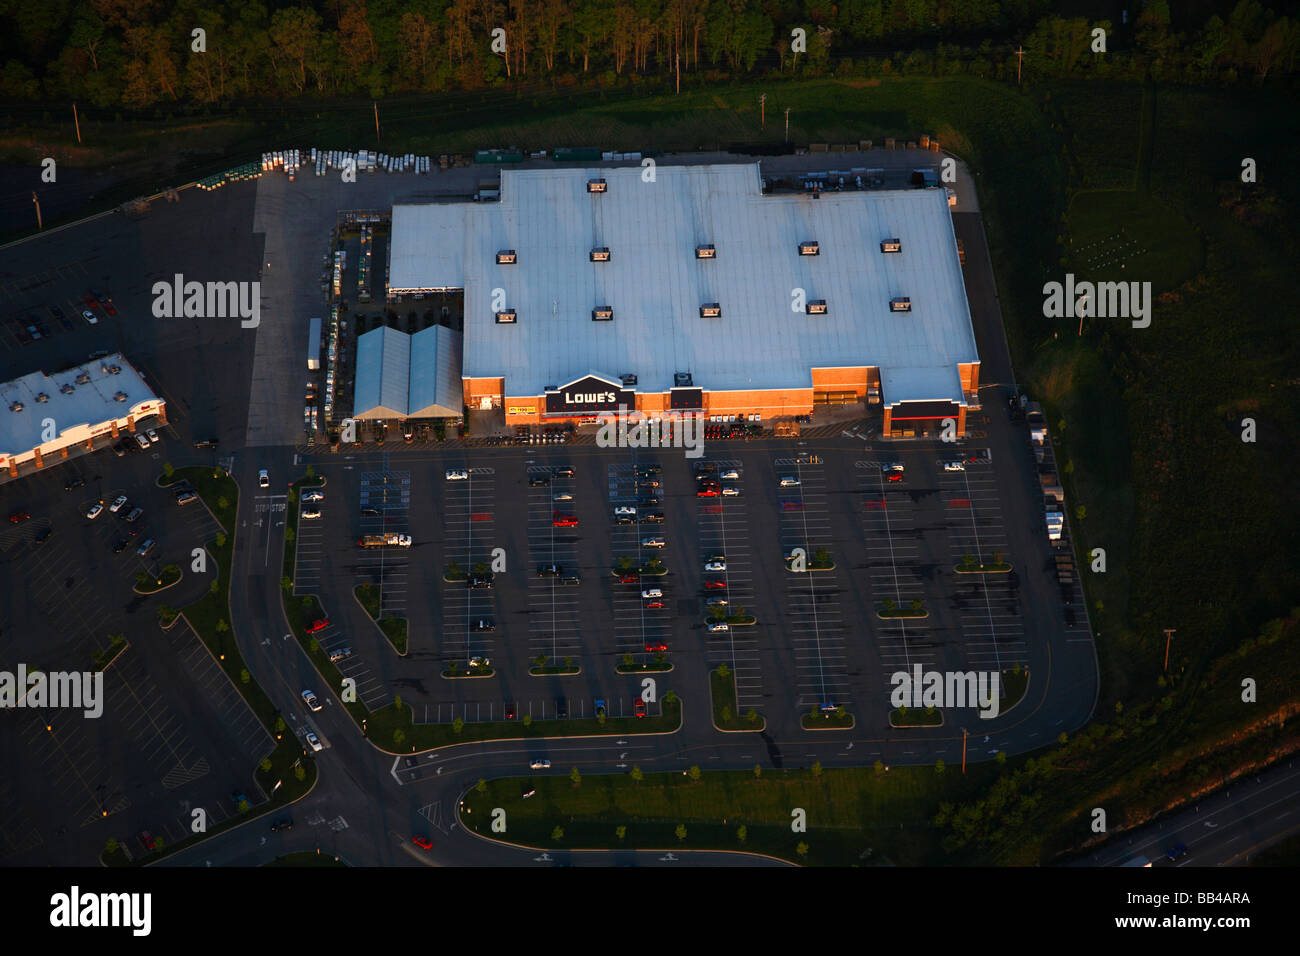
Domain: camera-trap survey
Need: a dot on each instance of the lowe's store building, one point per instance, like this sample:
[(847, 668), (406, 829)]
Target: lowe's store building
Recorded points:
[(695, 293)]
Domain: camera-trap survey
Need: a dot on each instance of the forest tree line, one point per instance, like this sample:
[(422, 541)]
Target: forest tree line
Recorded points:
[(138, 54)]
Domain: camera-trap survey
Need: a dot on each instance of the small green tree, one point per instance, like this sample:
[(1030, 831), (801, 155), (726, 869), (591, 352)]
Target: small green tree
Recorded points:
[(742, 833), (265, 765), (557, 834), (480, 569), (481, 786), (244, 676), (637, 774), (279, 725), (528, 720), (879, 767), (889, 605), (917, 606), (680, 831), (694, 773), (539, 661), (726, 714), (314, 644), (939, 765), (623, 563), (670, 698), (397, 702), (821, 558), (575, 777), (311, 472), (457, 726), (628, 660), (1001, 757), (802, 848), (816, 769), (758, 771), (568, 663), (1081, 512), (620, 831), (168, 470), (399, 736), (110, 845), (724, 670), (222, 626), (221, 540), (223, 504), (289, 535), (751, 716)]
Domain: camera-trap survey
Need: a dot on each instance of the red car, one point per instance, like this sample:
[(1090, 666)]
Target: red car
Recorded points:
[(480, 516), (656, 646), (423, 842), (19, 516), (715, 584), (711, 509), (320, 625), (90, 300), (565, 521), (707, 493), (149, 840), (632, 578), (108, 307), (655, 603), (638, 707)]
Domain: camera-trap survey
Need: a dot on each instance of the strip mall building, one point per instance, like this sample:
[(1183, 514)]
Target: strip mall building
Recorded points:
[(690, 291)]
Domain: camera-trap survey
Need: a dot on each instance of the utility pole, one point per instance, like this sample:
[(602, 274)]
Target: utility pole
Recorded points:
[(678, 65), (1020, 56), (376, 104), (762, 105), (37, 203), (76, 122), (787, 124), (1169, 636)]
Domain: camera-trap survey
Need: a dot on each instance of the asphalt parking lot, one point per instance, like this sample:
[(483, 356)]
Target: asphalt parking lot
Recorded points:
[(817, 638)]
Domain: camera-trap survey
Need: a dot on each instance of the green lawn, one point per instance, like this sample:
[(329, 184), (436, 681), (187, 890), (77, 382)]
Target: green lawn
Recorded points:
[(868, 815), (726, 715), (1124, 235)]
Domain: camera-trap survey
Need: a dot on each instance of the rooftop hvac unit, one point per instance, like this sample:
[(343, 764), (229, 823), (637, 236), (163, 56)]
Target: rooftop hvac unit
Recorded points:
[(82, 378), (114, 370), (119, 396), (15, 406), (809, 248), (817, 307), (710, 310), (596, 185), (506, 316), (900, 304), (66, 389), (42, 397), (629, 380), (602, 313), (506, 257), (891, 245), (600, 254), (682, 379), (706, 252)]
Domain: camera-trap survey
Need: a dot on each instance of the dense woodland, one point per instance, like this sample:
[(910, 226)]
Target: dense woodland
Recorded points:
[(140, 54)]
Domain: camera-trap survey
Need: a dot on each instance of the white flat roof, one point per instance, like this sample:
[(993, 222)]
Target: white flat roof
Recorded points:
[(86, 405), (656, 286), (408, 376)]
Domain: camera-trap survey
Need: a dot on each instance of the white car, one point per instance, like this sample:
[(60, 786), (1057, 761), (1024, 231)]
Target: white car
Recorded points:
[(153, 436), (539, 765), (652, 593), (118, 504), (954, 466), (94, 511), (313, 496), (313, 741), (263, 478), (89, 316), (310, 700), (562, 496), (716, 628), (717, 602), (141, 440), (624, 511), (480, 662), (715, 566), (311, 512), (456, 474), (652, 543), (731, 475), (789, 481), (730, 491)]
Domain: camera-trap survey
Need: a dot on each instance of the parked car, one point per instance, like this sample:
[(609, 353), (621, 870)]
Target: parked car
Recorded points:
[(263, 478), (715, 566), (892, 471), (562, 520), (538, 481), (730, 491), (539, 765), (646, 471), (652, 593), (709, 492), (89, 316), (562, 496), (653, 645), (42, 536), (484, 624), (789, 481), (145, 548), (94, 511), (310, 699), (310, 512), (339, 653), (312, 740), (148, 840), (714, 584), (284, 823), (74, 483), (186, 497), (141, 441), (549, 570), (629, 577), (730, 475), (17, 517), (654, 604), (118, 504), (624, 510), (564, 471), (206, 443), (1176, 852), (569, 579), (721, 626), (313, 496), (509, 710), (318, 625), (457, 474), (954, 466), (120, 545), (638, 707), (423, 842), (653, 516), (152, 436), (652, 542), (134, 515)]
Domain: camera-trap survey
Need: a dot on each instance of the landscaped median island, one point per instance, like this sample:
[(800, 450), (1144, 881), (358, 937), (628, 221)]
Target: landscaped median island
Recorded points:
[(541, 668), (970, 566), (798, 563), (476, 668), (722, 684), (823, 719), (288, 772), (394, 628), (915, 717), (659, 665), (890, 609), (147, 584), (1015, 683), (391, 728), (868, 816)]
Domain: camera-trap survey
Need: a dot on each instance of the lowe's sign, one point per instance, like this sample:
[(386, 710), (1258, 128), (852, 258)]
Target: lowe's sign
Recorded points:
[(588, 394)]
